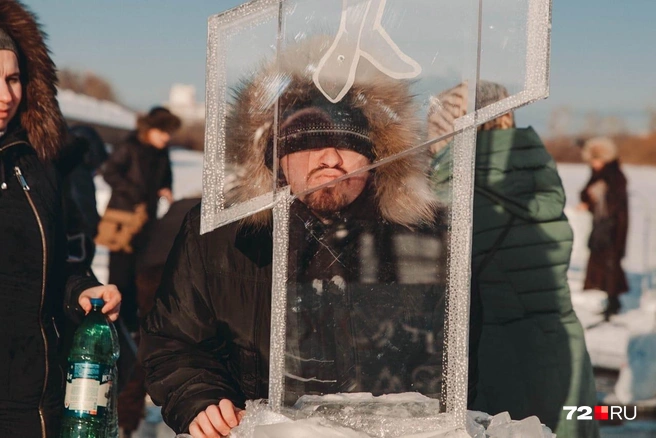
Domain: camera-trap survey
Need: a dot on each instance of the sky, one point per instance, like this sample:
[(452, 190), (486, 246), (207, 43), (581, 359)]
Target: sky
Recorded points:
[(603, 52)]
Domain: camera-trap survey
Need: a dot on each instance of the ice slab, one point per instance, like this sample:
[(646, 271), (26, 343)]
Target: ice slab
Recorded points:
[(408, 415), (333, 416)]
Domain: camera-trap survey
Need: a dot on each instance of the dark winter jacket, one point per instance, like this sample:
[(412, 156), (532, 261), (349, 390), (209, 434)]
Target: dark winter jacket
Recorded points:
[(37, 287), (610, 224), (208, 335), (532, 354), (136, 172)]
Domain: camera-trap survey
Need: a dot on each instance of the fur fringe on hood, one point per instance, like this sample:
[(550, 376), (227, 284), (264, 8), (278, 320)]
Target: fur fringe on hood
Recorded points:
[(402, 187), (39, 111)]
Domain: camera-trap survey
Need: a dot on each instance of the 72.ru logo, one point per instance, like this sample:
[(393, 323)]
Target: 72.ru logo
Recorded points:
[(601, 412)]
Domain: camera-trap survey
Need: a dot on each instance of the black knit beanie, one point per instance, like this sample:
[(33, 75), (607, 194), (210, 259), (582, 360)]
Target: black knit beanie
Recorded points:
[(318, 123)]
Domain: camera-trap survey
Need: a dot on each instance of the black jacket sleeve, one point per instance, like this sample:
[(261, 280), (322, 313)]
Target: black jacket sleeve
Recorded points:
[(77, 282), (167, 180), (78, 277), (186, 361), (116, 171)]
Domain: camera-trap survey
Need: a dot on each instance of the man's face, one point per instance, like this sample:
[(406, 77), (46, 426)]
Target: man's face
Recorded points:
[(158, 138), (305, 170), (597, 164)]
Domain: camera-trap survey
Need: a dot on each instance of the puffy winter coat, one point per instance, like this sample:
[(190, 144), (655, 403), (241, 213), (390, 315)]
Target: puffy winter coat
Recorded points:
[(532, 354), (208, 335)]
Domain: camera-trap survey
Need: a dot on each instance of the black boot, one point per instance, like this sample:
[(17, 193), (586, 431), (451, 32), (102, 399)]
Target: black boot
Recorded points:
[(612, 308)]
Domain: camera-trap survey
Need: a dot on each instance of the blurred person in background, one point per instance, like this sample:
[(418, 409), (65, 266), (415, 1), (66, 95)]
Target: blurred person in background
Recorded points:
[(38, 288), (605, 196), (78, 162), (139, 173), (532, 357)]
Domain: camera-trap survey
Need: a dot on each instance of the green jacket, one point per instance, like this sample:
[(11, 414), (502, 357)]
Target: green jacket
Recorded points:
[(532, 354)]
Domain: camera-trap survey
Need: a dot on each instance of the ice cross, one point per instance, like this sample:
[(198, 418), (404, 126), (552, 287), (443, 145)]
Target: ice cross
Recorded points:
[(335, 73), (437, 45)]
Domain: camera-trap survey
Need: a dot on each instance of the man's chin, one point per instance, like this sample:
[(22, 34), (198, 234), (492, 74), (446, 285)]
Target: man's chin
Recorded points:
[(326, 201)]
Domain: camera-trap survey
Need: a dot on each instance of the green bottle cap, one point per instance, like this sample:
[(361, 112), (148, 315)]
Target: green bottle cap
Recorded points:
[(97, 302)]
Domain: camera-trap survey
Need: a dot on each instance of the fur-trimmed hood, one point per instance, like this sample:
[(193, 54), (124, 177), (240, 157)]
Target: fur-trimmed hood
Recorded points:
[(402, 188), (39, 111)]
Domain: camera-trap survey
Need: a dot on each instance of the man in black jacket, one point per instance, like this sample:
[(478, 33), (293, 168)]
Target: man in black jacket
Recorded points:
[(365, 293), (139, 173)]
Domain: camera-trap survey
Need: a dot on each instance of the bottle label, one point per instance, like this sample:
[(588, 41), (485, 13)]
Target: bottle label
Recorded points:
[(88, 389)]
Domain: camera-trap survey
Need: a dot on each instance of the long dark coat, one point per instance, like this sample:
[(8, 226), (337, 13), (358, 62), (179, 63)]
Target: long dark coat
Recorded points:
[(604, 266)]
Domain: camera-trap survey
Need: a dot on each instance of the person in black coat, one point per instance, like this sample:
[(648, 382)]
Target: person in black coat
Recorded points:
[(139, 173), (38, 289), (605, 196), (358, 318)]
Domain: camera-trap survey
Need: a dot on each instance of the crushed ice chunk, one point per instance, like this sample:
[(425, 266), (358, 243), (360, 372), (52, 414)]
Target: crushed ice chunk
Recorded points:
[(311, 427), (529, 427), (258, 412), (499, 419)]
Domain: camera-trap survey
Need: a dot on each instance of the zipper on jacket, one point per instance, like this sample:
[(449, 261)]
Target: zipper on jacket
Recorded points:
[(7, 146), (3, 181), (26, 190)]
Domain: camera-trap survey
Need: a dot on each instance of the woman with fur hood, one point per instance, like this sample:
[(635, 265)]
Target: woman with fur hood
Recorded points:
[(605, 196), (37, 287)]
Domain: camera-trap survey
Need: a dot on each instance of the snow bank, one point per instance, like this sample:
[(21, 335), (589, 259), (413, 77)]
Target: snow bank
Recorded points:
[(91, 110)]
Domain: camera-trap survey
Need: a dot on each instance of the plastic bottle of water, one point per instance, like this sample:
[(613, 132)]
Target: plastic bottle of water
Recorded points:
[(112, 412), (90, 401)]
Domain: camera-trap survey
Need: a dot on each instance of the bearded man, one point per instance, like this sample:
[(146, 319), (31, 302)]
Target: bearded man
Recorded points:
[(365, 292)]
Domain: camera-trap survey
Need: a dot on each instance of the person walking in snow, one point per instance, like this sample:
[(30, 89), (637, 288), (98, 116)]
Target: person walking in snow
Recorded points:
[(605, 196)]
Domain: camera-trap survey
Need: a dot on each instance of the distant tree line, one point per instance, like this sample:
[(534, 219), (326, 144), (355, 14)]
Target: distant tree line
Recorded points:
[(565, 145), (87, 83)]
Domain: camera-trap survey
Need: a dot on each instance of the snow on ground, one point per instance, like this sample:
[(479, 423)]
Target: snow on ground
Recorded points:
[(88, 109)]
